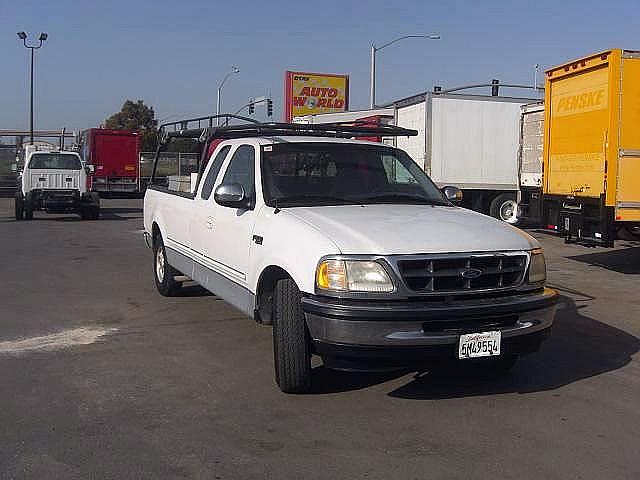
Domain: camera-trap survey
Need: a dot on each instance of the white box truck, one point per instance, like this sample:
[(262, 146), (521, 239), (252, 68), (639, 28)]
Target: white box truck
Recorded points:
[(468, 141)]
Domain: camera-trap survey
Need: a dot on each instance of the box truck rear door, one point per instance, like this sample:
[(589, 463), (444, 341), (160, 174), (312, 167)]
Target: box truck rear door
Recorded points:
[(578, 133), (628, 175)]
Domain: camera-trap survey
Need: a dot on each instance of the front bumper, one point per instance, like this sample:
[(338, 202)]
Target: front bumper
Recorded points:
[(409, 330)]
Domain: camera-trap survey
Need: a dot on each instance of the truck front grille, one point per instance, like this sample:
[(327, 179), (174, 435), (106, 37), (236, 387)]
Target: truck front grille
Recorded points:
[(462, 273)]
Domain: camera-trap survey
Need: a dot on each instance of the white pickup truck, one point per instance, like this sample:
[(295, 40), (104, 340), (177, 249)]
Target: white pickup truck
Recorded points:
[(54, 181), (350, 251)]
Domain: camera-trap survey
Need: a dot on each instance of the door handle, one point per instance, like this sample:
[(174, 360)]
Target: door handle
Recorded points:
[(209, 223)]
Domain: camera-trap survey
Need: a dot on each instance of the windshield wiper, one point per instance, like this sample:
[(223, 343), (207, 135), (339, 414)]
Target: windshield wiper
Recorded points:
[(399, 197), (285, 201)]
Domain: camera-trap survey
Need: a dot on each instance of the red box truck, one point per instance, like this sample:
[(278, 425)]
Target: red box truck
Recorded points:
[(115, 156)]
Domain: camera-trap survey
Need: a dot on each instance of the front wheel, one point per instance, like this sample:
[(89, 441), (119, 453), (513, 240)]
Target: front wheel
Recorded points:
[(19, 206), (163, 273), (291, 342), (505, 207)]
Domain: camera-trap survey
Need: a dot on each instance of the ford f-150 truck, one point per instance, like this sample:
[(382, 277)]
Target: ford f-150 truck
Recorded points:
[(349, 250), (54, 181)]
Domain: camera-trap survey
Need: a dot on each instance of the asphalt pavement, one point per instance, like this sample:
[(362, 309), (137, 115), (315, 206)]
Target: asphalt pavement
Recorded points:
[(101, 377)]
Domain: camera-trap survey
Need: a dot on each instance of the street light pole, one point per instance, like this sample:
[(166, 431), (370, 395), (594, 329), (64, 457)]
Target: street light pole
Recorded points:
[(23, 36), (218, 103), (374, 50)]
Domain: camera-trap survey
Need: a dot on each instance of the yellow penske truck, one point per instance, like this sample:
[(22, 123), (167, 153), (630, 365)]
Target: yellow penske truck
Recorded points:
[(591, 152)]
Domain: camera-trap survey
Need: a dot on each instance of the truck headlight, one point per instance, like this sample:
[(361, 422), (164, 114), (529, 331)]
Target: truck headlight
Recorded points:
[(537, 267), (353, 276)]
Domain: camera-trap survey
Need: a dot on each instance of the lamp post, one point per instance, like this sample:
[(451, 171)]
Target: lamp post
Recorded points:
[(374, 50), (23, 36), (233, 70)]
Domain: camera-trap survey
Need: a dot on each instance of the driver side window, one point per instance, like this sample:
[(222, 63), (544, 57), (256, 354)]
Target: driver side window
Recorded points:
[(216, 164), (241, 169), (396, 172)]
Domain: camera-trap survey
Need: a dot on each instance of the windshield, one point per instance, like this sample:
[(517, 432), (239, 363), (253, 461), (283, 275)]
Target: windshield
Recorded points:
[(310, 173), (59, 161)]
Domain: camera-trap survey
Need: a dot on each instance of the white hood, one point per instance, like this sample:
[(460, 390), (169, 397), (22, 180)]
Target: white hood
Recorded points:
[(411, 229)]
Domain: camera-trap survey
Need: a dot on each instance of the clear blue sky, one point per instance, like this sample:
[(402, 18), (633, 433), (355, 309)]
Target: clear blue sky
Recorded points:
[(172, 54)]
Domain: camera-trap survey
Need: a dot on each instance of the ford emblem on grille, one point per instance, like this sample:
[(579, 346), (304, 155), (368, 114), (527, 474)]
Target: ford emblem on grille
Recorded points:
[(471, 273)]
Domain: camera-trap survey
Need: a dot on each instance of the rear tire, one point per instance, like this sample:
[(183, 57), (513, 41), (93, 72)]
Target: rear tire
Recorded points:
[(19, 206), (291, 342), (505, 207), (89, 213), (28, 211), (163, 273)]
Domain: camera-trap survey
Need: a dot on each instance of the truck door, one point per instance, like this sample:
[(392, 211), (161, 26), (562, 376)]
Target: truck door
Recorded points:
[(202, 225), (226, 236), (628, 174)]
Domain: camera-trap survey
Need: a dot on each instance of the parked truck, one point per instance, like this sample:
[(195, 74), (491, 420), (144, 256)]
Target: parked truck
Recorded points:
[(115, 157), (348, 249), (54, 181), (591, 181)]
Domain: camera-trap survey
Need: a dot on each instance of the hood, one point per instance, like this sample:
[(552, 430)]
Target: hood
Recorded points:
[(411, 229)]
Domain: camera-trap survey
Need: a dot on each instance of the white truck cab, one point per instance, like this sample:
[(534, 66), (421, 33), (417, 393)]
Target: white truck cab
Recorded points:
[(350, 251), (54, 181)]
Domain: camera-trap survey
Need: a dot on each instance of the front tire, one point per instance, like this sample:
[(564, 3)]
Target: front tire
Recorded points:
[(505, 207), (291, 342), (19, 206), (163, 273)]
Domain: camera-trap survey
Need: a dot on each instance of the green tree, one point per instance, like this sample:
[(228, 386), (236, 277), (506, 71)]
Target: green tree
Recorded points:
[(140, 118)]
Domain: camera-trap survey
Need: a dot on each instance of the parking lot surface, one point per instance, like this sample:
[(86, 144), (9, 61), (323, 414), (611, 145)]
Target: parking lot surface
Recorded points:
[(104, 378)]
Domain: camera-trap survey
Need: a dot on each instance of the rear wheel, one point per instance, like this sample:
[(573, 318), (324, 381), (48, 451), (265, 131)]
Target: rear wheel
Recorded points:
[(163, 273), (291, 342), (28, 211), (89, 213), (505, 207), (19, 206)]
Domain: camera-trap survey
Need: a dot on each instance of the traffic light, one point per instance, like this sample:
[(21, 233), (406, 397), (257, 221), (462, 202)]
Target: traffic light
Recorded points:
[(252, 108), (269, 107)]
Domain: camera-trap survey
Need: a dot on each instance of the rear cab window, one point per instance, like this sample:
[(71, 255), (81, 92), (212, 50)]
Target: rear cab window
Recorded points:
[(55, 161)]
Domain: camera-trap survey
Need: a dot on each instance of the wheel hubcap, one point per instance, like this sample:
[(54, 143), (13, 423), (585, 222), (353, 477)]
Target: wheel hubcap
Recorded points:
[(509, 211), (160, 265)]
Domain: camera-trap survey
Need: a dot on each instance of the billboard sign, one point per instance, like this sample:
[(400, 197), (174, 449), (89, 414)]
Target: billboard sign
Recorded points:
[(308, 93)]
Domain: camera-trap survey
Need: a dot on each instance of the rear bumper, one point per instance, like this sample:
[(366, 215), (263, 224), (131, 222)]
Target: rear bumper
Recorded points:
[(407, 331)]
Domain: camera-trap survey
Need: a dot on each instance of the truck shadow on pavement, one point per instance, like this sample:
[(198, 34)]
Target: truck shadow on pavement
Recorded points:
[(579, 347), (625, 260)]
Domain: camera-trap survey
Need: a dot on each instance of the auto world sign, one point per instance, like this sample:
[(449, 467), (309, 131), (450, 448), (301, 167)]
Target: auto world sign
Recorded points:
[(309, 93)]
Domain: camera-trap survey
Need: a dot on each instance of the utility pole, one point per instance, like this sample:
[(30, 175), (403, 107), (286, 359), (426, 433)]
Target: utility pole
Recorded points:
[(374, 50), (23, 36), (234, 69)]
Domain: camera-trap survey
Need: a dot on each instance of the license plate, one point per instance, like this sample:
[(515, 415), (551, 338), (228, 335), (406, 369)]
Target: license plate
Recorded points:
[(484, 344)]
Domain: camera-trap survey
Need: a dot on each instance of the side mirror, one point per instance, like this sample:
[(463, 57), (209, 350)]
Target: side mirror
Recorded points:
[(14, 167), (90, 169), (453, 194), (231, 195)]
